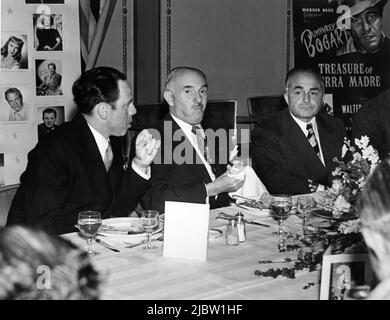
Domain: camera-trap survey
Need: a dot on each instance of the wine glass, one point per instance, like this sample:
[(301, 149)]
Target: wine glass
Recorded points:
[(306, 204), (280, 207), (89, 223), (149, 220)]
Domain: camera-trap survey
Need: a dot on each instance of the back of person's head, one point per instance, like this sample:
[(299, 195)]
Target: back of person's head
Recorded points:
[(13, 90), (16, 41), (96, 85), (375, 200), (177, 72), (37, 266), (303, 70)]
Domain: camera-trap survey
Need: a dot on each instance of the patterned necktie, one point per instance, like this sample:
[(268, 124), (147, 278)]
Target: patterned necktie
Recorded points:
[(108, 156), (202, 145), (312, 139)]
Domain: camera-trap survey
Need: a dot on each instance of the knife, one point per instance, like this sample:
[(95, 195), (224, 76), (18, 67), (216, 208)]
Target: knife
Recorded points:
[(246, 221), (105, 244)]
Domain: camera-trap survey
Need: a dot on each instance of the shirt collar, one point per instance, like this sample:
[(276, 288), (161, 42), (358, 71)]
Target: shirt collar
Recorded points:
[(101, 141), (186, 127), (303, 124)]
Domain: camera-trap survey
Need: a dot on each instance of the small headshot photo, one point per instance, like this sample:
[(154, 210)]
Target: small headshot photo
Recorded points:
[(47, 32), (49, 119), (14, 55), (2, 175), (48, 77), (45, 1), (13, 105)]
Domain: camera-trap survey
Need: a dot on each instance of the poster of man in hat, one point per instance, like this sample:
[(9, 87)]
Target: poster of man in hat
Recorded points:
[(364, 19), (345, 41)]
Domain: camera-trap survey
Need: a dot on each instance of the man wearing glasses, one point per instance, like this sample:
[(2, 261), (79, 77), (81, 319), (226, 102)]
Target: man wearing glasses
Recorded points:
[(366, 27)]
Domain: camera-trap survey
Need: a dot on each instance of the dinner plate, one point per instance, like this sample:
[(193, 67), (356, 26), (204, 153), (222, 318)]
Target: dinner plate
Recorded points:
[(324, 214), (124, 227), (215, 233)]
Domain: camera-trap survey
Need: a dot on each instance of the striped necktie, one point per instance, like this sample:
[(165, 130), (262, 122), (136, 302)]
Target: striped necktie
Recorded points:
[(202, 145), (312, 139), (108, 157)]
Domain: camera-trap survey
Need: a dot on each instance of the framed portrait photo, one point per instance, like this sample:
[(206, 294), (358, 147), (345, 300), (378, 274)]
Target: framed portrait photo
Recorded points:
[(343, 272), (14, 51)]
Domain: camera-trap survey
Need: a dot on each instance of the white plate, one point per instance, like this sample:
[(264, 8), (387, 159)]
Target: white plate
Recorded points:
[(121, 226), (215, 233), (256, 211)]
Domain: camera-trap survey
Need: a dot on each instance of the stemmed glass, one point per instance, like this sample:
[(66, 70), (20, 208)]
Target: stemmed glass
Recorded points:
[(280, 207), (89, 223), (149, 220), (306, 204)]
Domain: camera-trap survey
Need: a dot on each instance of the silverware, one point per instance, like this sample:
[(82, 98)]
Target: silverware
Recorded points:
[(136, 244), (247, 199), (105, 244), (225, 216)]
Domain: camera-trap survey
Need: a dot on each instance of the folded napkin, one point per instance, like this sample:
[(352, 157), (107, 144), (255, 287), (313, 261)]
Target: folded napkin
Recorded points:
[(252, 188)]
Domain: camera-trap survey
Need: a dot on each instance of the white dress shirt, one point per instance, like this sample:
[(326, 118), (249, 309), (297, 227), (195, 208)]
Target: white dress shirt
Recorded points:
[(102, 144), (186, 127)]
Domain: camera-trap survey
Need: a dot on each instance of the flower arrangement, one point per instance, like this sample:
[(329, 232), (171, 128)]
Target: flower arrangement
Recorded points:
[(339, 204)]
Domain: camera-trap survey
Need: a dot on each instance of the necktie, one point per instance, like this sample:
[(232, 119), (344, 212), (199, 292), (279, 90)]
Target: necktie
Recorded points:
[(312, 139), (202, 145), (108, 156)]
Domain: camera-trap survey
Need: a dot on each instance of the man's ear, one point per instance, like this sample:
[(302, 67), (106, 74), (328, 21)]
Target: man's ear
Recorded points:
[(285, 95), (103, 110), (168, 96)]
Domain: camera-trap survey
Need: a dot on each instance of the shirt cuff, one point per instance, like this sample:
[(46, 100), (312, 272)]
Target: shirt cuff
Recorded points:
[(137, 170)]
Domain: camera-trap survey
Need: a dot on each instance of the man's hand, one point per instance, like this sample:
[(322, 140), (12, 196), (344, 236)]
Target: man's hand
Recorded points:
[(146, 148), (224, 183)]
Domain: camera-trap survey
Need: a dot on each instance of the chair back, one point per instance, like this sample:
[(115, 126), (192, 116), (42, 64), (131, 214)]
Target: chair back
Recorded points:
[(6, 195), (220, 114), (148, 114), (263, 107)]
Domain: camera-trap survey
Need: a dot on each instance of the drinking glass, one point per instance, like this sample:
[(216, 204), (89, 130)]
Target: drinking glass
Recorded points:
[(306, 204), (149, 220), (89, 224), (280, 207)]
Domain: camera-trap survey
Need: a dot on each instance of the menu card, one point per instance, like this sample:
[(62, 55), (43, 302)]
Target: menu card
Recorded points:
[(186, 227)]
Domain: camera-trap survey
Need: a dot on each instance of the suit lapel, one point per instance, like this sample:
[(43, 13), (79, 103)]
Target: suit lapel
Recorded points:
[(326, 140), (184, 141), (90, 157), (300, 146)]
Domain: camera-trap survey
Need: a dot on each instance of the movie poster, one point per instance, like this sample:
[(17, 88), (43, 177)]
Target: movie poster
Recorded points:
[(352, 54)]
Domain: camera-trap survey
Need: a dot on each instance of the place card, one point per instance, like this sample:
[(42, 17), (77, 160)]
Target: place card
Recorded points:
[(186, 227)]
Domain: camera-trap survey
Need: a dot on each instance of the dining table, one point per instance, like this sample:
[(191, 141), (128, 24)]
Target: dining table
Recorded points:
[(228, 273)]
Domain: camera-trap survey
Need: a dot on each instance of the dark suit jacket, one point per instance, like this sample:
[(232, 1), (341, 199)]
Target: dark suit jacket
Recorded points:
[(65, 174), (43, 130), (373, 120), (284, 159), (173, 181)]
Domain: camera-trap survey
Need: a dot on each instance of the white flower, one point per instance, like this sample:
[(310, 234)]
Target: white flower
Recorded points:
[(336, 185), (340, 206), (363, 142), (350, 226)]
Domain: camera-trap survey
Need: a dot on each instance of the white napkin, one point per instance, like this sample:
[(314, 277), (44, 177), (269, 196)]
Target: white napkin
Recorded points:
[(252, 188)]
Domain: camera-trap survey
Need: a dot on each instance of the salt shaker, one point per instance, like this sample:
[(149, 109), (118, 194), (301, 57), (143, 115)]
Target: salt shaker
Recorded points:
[(241, 227), (232, 233)]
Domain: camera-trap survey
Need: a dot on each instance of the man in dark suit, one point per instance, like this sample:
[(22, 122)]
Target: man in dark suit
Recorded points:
[(373, 120), (187, 168), (293, 151), (80, 166)]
